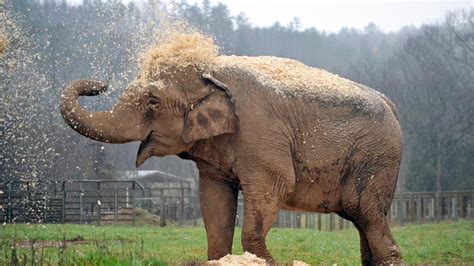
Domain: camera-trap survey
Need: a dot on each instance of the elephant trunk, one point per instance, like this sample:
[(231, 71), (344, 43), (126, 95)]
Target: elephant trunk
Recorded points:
[(105, 126)]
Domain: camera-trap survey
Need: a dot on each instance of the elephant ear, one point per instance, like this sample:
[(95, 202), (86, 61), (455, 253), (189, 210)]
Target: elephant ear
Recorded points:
[(212, 115)]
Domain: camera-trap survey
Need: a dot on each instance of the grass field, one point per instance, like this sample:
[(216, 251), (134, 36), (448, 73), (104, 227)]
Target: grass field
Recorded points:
[(447, 242)]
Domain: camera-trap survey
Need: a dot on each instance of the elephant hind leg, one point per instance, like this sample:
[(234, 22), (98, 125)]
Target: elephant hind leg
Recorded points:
[(382, 245), (374, 230), (366, 255)]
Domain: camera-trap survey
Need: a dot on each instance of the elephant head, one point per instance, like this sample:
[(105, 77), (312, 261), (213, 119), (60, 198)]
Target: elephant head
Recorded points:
[(167, 115)]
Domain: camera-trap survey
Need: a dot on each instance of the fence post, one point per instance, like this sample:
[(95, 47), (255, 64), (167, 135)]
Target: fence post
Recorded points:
[(80, 205), (413, 209), (162, 208), (45, 207), (422, 208), (63, 202), (181, 218), (319, 222), (443, 207), (288, 219), (280, 220), (99, 203), (9, 211), (462, 206), (453, 207), (127, 195), (134, 214), (115, 204), (331, 221), (432, 209), (99, 211)]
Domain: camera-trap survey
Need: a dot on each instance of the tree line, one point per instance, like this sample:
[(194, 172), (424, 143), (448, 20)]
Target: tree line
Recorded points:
[(427, 71)]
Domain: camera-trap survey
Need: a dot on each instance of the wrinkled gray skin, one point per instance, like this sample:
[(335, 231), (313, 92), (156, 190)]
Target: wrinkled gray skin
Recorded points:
[(296, 152)]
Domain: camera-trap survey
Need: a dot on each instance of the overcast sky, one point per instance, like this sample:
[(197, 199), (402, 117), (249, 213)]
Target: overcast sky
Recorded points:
[(332, 15)]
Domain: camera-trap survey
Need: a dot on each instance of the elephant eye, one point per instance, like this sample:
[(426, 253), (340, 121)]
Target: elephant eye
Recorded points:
[(153, 102)]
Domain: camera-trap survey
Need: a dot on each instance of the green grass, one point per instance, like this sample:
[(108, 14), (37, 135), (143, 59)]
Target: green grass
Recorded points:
[(447, 242)]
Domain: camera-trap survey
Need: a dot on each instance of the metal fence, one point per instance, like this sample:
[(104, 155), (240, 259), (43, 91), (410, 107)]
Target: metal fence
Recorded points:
[(105, 202)]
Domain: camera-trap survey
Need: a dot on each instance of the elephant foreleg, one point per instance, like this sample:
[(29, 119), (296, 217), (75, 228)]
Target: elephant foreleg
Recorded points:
[(260, 212), (218, 200)]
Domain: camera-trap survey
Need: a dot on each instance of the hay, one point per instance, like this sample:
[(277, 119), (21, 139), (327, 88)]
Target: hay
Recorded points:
[(244, 259), (284, 76), (3, 43), (178, 51)]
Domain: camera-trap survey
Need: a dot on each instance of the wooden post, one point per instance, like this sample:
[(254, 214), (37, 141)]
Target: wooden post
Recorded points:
[(403, 211), (162, 208), (443, 208), (432, 209), (292, 220), (99, 203), (134, 213), (80, 205), (422, 208), (453, 208), (9, 211), (319, 222), (99, 212), (63, 203), (331, 221), (181, 218), (45, 207), (280, 219), (127, 197), (462, 206), (413, 209), (115, 204)]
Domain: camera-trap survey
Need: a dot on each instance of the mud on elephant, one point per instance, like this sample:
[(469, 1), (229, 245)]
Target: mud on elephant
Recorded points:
[(288, 135)]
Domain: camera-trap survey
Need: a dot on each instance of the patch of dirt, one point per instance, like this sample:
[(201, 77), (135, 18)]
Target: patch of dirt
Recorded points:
[(245, 259)]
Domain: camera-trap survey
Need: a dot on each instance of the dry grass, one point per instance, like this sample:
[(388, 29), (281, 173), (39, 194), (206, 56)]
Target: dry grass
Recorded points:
[(3, 43), (177, 50), (286, 75)]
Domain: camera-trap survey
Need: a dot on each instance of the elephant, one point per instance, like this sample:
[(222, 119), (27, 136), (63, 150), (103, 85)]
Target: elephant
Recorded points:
[(287, 135)]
